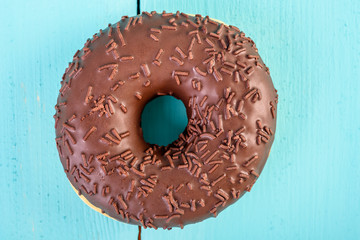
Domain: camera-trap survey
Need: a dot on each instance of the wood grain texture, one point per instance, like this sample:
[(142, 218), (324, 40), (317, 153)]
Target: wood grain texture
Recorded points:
[(38, 39), (309, 188)]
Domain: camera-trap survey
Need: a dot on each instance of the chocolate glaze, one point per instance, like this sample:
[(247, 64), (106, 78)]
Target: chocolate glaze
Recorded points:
[(231, 106)]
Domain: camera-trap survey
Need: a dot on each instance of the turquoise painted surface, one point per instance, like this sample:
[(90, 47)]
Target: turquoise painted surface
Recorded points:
[(310, 186), (163, 119)]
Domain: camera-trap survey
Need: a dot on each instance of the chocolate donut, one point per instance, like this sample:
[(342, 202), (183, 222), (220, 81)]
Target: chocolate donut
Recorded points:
[(214, 69)]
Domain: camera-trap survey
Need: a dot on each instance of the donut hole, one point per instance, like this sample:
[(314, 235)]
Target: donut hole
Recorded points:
[(163, 120)]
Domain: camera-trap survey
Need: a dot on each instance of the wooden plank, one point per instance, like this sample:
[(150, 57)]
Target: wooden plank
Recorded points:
[(38, 39), (309, 188)]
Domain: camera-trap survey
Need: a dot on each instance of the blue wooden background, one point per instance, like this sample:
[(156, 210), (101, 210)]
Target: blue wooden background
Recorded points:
[(310, 187)]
